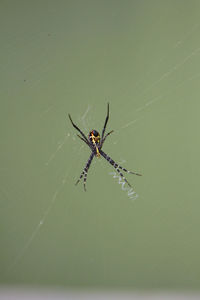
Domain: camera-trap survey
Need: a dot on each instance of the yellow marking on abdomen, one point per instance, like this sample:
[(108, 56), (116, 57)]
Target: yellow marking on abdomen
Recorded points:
[(94, 143), (98, 153)]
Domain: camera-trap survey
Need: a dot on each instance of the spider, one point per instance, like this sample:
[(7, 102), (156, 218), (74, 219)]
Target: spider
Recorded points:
[(95, 144)]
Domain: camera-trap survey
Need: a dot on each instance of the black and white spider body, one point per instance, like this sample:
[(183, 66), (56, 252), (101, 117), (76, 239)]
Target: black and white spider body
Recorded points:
[(95, 143)]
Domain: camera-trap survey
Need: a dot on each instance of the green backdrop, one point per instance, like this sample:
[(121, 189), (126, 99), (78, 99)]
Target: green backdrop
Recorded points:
[(60, 57)]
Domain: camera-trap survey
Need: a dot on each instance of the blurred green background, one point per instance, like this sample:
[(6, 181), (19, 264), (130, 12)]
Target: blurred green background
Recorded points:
[(60, 57)]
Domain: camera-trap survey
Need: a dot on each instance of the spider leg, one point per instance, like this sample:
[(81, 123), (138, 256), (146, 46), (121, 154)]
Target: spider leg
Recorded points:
[(84, 180), (84, 141), (106, 121), (85, 171), (117, 167), (103, 140), (83, 135), (129, 171)]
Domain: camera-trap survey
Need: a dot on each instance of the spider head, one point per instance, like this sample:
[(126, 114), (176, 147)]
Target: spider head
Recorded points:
[(94, 137)]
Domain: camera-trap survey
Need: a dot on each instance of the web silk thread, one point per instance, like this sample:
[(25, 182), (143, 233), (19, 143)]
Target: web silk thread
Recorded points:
[(130, 192)]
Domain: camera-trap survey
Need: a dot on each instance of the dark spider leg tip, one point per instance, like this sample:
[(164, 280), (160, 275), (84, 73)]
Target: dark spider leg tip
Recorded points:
[(70, 117), (109, 133), (71, 120), (127, 183), (124, 179), (135, 173)]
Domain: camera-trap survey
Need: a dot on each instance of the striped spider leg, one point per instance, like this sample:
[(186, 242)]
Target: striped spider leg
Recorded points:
[(117, 167), (85, 171)]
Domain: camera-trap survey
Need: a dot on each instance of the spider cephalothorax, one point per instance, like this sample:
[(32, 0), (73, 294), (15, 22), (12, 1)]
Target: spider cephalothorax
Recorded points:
[(95, 144), (94, 136)]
